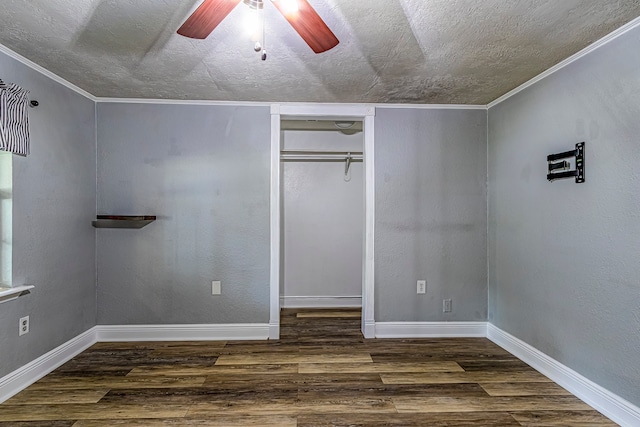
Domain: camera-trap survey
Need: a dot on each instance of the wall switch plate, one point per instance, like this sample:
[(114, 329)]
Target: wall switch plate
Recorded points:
[(446, 305), (23, 326), (422, 286), (216, 288)]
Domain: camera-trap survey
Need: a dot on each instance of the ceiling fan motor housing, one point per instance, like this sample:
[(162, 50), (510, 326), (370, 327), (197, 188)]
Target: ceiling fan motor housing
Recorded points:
[(254, 4)]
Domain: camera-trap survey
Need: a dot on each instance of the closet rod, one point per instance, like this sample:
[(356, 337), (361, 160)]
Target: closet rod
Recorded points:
[(320, 155)]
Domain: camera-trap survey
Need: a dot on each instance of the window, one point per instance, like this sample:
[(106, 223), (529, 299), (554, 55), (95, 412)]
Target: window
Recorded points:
[(5, 218)]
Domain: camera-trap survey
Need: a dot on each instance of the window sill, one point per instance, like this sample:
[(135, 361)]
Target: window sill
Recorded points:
[(9, 294)]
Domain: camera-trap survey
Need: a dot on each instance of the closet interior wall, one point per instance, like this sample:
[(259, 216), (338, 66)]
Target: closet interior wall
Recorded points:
[(322, 222)]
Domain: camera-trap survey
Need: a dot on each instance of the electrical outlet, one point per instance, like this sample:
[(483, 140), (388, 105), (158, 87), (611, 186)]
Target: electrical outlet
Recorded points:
[(422, 286), (23, 326), (216, 288), (446, 305)]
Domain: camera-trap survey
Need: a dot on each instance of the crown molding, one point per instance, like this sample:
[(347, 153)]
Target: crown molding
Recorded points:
[(10, 53), (160, 101), (573, 58), (433, 106)]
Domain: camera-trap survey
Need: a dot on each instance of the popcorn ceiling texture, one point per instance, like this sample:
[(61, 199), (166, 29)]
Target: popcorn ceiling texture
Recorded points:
[(390, 51)]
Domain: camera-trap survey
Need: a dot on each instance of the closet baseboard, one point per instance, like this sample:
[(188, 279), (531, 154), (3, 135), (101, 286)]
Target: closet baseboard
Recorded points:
[(320, 302), (430, 329)]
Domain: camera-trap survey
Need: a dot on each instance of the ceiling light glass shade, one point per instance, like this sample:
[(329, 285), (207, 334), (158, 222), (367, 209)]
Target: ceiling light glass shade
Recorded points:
[(252, 24), (289, 6), (344, 125)]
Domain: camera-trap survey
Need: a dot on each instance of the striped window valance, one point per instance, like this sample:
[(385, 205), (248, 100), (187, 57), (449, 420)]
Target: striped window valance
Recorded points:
[(14, 119)]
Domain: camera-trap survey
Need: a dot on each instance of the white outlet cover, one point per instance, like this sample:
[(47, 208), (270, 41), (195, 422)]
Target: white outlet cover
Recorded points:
[(23, 326), (216, 288), (422, 286)]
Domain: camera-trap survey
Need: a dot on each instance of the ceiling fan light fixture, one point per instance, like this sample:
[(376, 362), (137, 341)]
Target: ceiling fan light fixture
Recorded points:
[(253, 23), (298, 13), (288, 7)]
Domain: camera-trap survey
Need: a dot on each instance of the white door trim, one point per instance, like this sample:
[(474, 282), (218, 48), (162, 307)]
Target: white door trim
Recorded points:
[(274, 277), (332, 111), (368, 288)]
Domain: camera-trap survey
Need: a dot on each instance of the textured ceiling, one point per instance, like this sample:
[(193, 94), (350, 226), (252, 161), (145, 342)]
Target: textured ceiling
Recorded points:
[(390, 51)]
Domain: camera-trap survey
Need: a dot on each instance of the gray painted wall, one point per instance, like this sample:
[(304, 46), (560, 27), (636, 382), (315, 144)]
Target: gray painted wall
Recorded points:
[(323, 218), (564, 271), (53, 204), (431, 214), (204, 172)]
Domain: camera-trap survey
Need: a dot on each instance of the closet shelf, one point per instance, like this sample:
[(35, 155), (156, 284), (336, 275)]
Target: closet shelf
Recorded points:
[(122, 221)]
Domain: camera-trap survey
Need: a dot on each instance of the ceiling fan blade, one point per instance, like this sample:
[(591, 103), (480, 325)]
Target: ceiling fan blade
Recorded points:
[(306, 21), (206, 17)]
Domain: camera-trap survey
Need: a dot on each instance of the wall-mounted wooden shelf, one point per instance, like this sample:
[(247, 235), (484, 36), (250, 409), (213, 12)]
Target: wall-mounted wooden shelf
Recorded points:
[(9, 294), (122, 221)]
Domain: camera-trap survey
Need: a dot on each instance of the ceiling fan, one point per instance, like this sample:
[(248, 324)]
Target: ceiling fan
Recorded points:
[(299, 13)]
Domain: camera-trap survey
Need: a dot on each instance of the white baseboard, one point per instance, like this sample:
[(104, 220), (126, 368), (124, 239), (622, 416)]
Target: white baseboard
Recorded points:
[(217, 332), (274, 331), (613, 406), (23, 377), (320, 302), (369, 329), (430, 329)]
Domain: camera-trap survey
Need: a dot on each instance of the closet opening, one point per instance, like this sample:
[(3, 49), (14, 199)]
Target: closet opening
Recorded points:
[(320, 155), (321, 213)]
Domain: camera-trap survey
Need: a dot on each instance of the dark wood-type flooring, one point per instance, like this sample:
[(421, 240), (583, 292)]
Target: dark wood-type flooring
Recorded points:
[(320, 373)]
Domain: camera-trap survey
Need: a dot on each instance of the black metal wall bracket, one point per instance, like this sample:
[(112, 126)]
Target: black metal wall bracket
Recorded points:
[(558, 170)]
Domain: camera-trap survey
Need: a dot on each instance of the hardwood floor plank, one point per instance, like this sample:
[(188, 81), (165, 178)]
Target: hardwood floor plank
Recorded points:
[(184, 371), (51, 423), (329, 347), (329, 313), (494, 365), (297, 380), (483, 419), (47, 396), (480, 404), (477, 348), (210, 421), (524, 389), (562, 418), (251, 347), (391, 367), (88, 411), (74, 383), (286, 358), (431, 356), (382, 391), (90, 370), (276, 406), (187, 396), (463, 377)]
